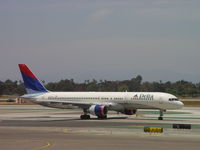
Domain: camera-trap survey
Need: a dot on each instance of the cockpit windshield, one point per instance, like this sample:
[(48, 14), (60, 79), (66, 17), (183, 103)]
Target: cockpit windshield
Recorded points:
[(173, 99)]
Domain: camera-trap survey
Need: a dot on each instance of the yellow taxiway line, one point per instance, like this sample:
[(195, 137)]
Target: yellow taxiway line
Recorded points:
[(48, 144)]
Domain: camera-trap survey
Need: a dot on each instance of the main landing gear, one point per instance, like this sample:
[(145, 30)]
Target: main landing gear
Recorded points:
[(85, 116), (102, 117), (161, 114)]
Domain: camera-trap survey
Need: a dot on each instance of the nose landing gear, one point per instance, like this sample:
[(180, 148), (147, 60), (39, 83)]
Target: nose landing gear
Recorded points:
[(161, 114)]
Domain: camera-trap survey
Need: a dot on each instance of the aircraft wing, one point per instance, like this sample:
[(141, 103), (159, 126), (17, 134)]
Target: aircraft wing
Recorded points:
[(75, 103)]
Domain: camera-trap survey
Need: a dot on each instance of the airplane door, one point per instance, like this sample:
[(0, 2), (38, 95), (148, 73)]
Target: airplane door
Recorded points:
[(127, 98), (160, 100)]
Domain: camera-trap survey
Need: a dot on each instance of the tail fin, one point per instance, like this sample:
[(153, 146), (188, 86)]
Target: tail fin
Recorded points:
[(31, 83)]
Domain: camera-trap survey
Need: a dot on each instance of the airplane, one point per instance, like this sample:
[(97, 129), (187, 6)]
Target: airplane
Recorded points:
[(97, 103)]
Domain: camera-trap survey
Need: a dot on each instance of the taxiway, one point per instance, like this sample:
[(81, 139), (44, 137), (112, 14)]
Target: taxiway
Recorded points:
[(35, 127)]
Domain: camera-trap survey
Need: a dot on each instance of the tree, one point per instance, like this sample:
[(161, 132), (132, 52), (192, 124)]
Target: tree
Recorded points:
[(135, 83), (2, 87), (180, 88), (92, 86), (122, 88)]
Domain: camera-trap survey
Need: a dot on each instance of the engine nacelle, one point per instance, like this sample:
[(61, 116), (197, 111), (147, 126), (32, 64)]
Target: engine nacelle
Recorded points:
[(129, 112), (98, 110)]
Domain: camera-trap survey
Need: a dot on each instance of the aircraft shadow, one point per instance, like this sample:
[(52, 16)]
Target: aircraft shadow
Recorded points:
[(78, 119)]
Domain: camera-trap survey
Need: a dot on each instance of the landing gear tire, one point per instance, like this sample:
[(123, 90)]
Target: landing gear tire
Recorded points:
[(161, 114), (85, 117), (102, 117)]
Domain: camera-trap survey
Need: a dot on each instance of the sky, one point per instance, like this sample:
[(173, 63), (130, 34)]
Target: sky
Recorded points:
[(101, 39)]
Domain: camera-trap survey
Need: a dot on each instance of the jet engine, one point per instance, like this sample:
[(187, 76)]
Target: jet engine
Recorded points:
[(99, 110), (129, 112)]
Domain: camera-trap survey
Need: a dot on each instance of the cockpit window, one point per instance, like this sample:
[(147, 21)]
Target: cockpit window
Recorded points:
[(173, 99)]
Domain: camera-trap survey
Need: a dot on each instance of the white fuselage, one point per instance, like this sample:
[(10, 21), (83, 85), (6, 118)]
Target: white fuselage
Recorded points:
[(114, 100)]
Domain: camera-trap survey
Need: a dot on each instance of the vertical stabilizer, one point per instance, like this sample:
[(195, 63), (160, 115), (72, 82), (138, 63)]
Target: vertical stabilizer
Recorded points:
[(31, 83)]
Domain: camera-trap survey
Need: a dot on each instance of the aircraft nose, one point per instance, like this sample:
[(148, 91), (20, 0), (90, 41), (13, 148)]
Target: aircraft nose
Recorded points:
[(180, 104)]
